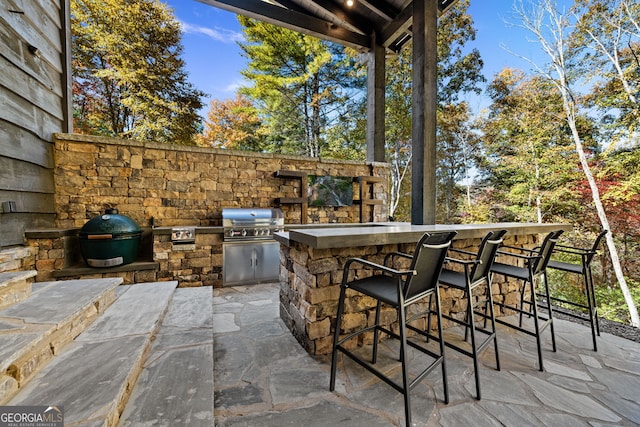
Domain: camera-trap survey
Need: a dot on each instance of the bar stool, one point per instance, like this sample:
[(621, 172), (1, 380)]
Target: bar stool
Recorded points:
[(536, 261), (476, 272), (399, 289), (584, 269)]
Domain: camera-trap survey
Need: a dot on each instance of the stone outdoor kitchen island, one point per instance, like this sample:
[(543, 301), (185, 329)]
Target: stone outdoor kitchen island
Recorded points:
[(311, 269)]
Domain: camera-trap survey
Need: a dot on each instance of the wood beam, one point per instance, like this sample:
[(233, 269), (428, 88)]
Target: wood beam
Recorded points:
[(293, 20), (397, 27), (332, 8), (375, 103), (424, 104)]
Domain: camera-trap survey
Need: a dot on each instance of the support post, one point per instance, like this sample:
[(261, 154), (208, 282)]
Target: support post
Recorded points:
[(375, 103), (424, 104)]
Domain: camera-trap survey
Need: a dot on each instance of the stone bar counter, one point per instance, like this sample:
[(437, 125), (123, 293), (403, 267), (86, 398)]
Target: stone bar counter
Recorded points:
[(312, 258)]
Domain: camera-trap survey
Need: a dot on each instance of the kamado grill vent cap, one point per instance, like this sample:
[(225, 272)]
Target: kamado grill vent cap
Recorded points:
[(109, 240)]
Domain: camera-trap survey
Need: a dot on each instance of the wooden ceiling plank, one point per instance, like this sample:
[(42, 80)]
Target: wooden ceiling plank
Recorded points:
[(381, 8), (360, 24)]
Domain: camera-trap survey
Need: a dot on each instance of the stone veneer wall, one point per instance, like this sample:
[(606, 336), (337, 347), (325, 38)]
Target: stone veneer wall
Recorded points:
[(17, 259), (310, 287), (168, 185), (177, 185)]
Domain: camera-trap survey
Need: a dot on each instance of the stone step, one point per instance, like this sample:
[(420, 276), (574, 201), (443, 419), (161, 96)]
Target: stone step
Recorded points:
[(93, 376), (15, 286), (33, 331), (175, 387)]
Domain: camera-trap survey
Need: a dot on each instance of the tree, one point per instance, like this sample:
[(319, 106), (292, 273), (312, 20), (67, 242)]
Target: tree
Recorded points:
[(301, 85), (457, 145), (128, 78), (233, 124), (459, 72), (551, 28), (398, 131), (608, 35), (530, 159)]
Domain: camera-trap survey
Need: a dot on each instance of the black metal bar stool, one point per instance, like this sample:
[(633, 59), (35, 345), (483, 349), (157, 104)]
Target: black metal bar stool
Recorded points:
[(536, 261), (476, 273), (399, 289), (582, 268)]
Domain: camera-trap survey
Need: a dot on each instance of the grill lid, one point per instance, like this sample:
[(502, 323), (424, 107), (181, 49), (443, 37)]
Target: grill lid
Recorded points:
[(248, 215), (251, 223), (111, 225)]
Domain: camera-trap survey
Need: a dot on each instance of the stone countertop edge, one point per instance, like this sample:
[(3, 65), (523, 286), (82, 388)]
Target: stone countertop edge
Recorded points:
[(395, 233)]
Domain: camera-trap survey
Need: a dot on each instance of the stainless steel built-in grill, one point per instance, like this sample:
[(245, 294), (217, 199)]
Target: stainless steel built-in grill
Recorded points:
[(251, 224), (250, 254)]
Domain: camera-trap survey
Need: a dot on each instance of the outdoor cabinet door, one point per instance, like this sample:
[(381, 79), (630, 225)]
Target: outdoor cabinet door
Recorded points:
[(238, 263), (250, 262), (267, 262)]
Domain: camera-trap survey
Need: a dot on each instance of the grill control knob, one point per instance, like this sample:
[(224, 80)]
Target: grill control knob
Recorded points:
[(244, 232)]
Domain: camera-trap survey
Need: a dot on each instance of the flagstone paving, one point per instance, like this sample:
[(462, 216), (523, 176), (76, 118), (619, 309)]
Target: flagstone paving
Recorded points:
[(262, 376)]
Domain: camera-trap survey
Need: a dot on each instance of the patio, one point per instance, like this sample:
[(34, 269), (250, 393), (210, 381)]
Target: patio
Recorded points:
[(262, 376)]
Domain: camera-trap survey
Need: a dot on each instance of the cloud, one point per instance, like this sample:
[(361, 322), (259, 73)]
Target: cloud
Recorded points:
[(235, 85), (217, 34)]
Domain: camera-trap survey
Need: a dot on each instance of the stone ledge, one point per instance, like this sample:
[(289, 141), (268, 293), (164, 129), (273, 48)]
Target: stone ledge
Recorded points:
[(51, 233), (15, 286), (86, 271)]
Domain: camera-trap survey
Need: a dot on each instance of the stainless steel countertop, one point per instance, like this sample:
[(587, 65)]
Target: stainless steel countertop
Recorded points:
[(384, 233)]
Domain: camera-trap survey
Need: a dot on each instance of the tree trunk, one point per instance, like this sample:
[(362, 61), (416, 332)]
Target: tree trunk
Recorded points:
[(557, 50), (595, 193)]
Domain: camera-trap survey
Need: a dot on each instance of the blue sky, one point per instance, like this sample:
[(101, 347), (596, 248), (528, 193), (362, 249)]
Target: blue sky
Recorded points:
[(214, 60)]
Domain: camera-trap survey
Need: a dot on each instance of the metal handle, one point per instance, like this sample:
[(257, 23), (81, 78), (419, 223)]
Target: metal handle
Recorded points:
[(99, 236)]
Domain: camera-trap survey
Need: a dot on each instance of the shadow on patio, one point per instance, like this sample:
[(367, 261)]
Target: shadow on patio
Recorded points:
[(262, 376)]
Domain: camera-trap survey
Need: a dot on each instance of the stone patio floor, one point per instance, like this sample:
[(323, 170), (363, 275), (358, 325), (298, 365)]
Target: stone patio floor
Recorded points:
[(263, 377)]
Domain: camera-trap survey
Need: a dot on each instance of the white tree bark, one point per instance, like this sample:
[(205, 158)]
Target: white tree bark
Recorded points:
[(399, 168), (624, 16), (550, 28)]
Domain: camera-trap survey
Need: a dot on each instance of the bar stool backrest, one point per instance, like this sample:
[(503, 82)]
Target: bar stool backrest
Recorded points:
[(592, 253), (486, 254), (427, 263), (545, 251)]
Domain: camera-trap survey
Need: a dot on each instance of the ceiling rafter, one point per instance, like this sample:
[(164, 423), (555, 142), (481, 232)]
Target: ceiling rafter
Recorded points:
[(387, 21), (297, 21)]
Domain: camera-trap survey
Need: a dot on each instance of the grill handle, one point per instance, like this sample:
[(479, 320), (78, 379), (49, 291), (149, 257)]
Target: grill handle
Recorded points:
[(99, 236)]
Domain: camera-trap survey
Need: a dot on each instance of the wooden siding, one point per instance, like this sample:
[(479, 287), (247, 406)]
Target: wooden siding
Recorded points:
[(32, 103)]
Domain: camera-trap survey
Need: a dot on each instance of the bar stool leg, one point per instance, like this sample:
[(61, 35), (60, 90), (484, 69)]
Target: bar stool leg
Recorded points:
[(550, 309), (591, 304), (336, 337), (405, 369)]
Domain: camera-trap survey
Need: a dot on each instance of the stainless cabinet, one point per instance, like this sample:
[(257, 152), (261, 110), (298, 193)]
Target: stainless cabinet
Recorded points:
[(252, 262)]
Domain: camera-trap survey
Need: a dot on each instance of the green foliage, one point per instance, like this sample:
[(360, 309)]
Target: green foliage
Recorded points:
[(459, 72), (128, 78), (303, 87), (530, 156), (608, 38), (611, 303)]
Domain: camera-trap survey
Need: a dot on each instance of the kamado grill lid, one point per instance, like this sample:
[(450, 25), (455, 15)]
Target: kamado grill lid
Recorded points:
[(109, 225)]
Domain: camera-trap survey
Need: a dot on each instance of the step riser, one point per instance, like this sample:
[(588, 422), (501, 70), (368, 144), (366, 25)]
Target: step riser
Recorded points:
[(15, 287), (93, 376), (23, 369), (31, 342)]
